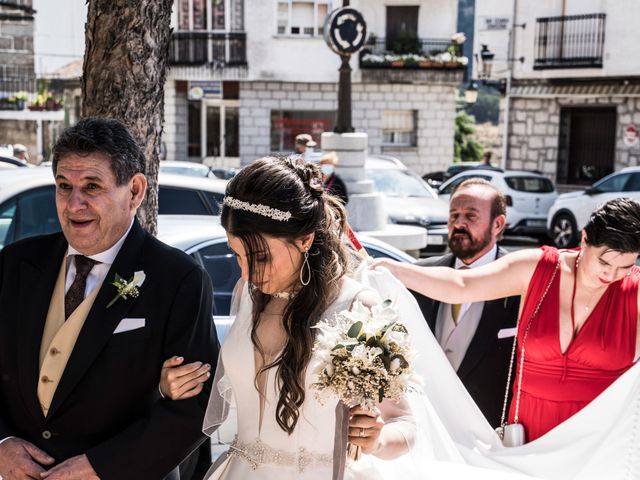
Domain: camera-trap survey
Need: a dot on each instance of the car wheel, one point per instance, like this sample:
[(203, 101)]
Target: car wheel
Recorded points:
[(564, 232)]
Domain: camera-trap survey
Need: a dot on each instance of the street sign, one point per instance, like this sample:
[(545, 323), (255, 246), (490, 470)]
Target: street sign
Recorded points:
[(494, 23), (345, 31), (199, 90)]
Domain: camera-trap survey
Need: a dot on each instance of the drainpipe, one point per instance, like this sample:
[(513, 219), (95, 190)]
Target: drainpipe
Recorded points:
[(507, 99)]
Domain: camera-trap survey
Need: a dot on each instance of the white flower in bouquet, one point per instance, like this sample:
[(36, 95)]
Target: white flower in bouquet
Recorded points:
[(365, 356)]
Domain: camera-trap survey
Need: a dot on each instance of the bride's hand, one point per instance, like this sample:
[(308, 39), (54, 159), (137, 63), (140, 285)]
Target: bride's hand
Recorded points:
[(364, 428), (181, 382)]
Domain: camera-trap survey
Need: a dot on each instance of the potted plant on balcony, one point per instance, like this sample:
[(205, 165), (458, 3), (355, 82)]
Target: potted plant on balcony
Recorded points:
[(396, 61), (371, 60), (21, 99)]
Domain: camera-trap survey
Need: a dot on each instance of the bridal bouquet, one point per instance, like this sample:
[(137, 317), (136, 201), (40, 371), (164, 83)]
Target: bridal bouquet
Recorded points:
[(365, 356)]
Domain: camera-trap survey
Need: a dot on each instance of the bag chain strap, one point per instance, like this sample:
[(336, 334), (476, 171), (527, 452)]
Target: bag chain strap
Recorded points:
[(513, 353)]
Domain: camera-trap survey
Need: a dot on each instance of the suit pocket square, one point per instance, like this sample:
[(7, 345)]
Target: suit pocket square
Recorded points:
[(128, 324), (507, 332)]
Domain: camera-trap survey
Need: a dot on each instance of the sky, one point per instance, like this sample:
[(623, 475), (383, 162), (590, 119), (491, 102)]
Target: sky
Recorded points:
[(59, 33)]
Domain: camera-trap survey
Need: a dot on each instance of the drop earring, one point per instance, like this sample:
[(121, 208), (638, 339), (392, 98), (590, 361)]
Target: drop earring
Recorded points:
[(305, 266)]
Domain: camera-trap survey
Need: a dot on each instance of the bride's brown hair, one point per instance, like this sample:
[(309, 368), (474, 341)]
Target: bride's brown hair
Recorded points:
[(290, 185)]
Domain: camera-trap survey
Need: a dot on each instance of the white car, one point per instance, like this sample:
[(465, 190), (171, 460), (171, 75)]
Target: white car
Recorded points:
[(529, 197), (27, 200), (570, 212), (410, 200)]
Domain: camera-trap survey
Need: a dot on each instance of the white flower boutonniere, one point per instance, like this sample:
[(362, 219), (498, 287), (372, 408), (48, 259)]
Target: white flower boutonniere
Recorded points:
[(126, 288)]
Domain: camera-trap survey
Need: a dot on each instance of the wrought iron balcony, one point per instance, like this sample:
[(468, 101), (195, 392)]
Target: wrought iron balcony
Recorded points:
[(425, 46), (575, 41), (208, 48)]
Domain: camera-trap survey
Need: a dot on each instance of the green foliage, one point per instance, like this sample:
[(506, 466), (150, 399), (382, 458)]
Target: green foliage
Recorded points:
[(465, 148), (487, 107), (407, 42)]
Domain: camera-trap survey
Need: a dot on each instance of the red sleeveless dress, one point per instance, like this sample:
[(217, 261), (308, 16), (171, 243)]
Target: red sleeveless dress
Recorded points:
[(555, 386)]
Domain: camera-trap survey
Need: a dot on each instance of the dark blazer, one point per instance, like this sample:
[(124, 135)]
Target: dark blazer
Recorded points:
[(336, 187), (484, 369), (107, 404)]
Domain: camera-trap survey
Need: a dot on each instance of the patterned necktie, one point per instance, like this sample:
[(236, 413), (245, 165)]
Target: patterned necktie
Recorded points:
[(455, 307), (75, 294)]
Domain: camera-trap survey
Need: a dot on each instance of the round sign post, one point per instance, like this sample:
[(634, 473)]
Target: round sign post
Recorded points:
[(345, 32)]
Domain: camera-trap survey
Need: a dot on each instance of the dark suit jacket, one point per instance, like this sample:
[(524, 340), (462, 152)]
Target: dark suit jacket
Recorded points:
[(484, 369), (107, 404)]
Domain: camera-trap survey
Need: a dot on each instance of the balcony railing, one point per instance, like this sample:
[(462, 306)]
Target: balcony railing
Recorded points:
[(208, 48), (16, 92), (428, 46), (575, 41)]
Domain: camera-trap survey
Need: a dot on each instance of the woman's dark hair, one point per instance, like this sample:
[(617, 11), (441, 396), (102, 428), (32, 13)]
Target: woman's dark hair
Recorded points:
[(290, 185), (107, 136), (615, 225)]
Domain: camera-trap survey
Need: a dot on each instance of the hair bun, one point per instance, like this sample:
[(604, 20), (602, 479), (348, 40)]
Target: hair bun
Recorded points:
[(311, 177)]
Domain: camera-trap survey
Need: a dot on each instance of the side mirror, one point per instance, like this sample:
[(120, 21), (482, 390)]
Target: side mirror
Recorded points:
[(592, 191)]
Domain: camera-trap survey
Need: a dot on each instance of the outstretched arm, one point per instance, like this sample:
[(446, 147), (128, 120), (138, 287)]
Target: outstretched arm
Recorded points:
[(505, 277)]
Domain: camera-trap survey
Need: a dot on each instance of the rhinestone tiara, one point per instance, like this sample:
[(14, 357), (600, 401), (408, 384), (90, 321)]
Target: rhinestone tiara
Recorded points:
[(258, 208)]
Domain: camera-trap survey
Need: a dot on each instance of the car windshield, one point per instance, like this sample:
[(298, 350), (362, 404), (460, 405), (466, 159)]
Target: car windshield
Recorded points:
[(191, 171), (399, 183)]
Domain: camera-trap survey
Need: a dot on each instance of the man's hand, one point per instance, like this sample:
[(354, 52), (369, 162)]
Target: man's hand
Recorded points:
[(75, 468), (20, 460)]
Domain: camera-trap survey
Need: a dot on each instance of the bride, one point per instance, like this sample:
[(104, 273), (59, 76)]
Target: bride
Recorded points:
[(286, 234)]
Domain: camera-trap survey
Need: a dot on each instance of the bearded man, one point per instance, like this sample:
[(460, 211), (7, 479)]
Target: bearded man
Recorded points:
[(476, 337)]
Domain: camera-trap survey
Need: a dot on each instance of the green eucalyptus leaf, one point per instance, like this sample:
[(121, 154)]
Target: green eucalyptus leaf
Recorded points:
[(355, 329)]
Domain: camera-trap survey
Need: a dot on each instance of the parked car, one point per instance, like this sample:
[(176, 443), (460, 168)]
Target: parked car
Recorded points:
[(203, 238), (27, 200), (410, 201), (8, 161), (529, 197), (192, 169), (570, 212)]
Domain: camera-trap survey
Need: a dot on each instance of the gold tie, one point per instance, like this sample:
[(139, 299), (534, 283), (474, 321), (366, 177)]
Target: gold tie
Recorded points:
[(455, 307)]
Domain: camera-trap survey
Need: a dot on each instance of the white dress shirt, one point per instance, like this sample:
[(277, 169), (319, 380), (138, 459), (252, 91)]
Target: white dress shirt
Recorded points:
[(455, 337), (99, 270)]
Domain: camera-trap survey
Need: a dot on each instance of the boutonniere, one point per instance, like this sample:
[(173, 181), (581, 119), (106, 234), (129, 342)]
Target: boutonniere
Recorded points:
[(128, 288)]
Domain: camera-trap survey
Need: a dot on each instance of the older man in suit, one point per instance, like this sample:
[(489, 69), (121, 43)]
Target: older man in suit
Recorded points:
[(477, 337), (80, 350)]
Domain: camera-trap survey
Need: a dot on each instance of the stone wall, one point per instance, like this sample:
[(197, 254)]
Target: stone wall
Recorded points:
[(534, 128), (16, 43), (435, 106), (175, 132)]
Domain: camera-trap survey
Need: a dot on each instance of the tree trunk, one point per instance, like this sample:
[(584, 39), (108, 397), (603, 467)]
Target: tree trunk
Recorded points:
[(124, 72)]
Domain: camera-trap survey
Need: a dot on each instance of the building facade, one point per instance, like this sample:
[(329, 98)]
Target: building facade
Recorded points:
[(247, 76), (574, 102)]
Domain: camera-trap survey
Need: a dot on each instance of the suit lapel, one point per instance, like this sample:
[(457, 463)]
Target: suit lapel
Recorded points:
[(36, 276), (486, 333), (101, 321), (485, 336)]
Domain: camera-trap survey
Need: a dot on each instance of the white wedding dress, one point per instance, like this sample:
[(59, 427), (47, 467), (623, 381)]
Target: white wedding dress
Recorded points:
[(269, 453)]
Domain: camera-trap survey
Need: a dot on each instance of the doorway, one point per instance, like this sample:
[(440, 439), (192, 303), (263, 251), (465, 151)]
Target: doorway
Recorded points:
[(399, 20), (586, 145)]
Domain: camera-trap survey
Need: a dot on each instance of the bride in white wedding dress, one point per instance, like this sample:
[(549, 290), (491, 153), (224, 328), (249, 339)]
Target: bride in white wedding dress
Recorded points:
[(286, 233)]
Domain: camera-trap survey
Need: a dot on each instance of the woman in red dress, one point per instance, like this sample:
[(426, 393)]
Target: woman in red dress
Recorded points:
[(584, 334)]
